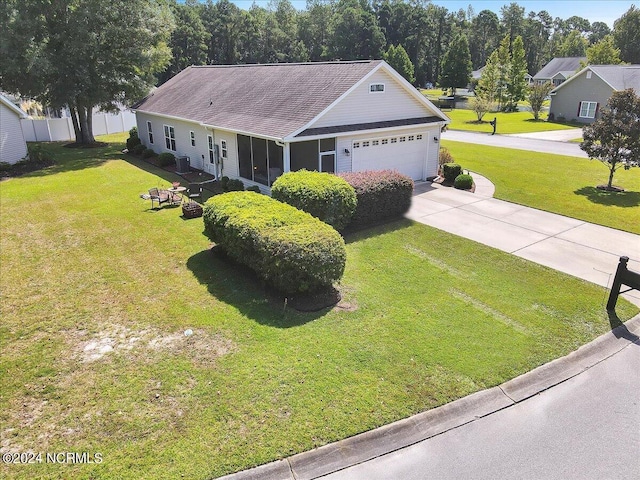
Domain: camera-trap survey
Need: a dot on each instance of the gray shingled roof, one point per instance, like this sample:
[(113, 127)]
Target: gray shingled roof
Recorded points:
[(620, 77), (272, 100), (559, 64)]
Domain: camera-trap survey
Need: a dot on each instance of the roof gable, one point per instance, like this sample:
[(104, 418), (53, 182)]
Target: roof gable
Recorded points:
[(13, 107), (618, 77), (273, 100)]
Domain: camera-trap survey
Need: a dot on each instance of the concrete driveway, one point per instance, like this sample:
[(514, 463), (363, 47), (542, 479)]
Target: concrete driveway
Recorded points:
[(584, 250)]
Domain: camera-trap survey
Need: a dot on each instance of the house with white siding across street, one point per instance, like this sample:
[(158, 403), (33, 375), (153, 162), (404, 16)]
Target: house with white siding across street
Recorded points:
[(255, 122), (13, 147)]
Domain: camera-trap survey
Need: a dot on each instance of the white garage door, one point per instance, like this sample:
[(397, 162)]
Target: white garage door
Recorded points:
[(405, 153)]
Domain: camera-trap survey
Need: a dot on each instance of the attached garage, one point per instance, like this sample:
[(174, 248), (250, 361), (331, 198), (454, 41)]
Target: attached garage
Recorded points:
[(405, 153)]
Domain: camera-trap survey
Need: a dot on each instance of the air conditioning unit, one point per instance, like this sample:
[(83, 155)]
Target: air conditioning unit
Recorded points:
[(183, 165)]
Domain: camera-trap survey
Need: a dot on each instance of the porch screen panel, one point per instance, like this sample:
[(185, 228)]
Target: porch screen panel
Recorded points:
[(244, 157), (276, 164), (304, 155), (260, 165)]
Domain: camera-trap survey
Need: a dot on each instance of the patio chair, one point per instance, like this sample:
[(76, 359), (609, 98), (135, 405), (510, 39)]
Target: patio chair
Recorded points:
[(160, 196), (194, 191)]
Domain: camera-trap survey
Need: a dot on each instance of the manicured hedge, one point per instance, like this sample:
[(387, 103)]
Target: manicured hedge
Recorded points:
[(463, 181), (381, 194), (166, 158), (286, 247), (450, 171), (323, 195)]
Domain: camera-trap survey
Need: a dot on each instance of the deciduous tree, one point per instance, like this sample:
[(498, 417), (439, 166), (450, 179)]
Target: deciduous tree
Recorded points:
[(397, 57), (537, 95), (456, 65), (626, 32), (603, 52), (614, 138), (83, 53)]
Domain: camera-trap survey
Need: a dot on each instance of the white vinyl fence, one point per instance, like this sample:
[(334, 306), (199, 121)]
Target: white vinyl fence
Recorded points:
[(61, 129)]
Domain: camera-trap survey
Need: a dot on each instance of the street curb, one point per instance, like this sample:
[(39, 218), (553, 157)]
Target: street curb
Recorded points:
[(409, 431)]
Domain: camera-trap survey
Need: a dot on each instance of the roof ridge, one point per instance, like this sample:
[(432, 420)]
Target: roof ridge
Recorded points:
[(283, 64)]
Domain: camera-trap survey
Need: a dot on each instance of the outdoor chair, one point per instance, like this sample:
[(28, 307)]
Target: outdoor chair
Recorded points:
[(194, 191), (160, 196)]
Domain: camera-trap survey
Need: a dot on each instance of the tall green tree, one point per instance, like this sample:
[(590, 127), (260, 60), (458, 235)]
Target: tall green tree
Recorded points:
[(536, 97), (484, 37), (614, 138), (314, 28), (83, 53), (456, 65), (604, 52), (397, 57), (189, 39), (599, 30), (356, 33), (512, 20), (517, 72), (224, 21), (574, 45), (489, 83), (626, 33), (503, 67)]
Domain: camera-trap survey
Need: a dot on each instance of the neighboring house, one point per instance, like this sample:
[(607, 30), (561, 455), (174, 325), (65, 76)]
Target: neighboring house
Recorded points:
[(559, 70), (581, 97), (255, 122), (12, 144)]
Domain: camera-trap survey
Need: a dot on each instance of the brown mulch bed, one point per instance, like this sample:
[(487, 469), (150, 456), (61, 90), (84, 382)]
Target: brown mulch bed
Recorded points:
[(611, 188), (22, 168)]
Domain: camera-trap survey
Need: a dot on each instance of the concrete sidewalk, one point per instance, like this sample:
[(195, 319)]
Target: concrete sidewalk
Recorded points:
[(516, 142), (553, 135), (584, 250)]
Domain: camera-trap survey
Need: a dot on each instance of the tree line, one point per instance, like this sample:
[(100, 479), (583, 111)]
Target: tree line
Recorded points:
[(222, 33), (83, 54)]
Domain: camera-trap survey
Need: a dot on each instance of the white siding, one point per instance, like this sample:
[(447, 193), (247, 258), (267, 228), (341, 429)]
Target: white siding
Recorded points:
[(12, 144), (361, 106)]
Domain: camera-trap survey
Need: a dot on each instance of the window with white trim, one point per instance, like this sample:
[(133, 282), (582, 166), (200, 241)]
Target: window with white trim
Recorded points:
[(170, 138), (588, 74), (150, 132), (356, 144), (411, 137), (418, 137), (588, 109), (403, 139), (385, 141), (192, 136), (365, 144), (394, 140), (375, 143), (223, 147), (376, 87)]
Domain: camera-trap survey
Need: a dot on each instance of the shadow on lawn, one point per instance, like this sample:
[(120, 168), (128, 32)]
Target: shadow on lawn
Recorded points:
[(239, 286), (602, 197)]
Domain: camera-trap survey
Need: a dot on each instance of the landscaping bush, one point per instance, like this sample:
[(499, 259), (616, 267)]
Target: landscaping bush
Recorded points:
[(133, 132), (234, 185), (148, 153), (325, 196), (224, 183), (451, 171), (381, 195), (288, 248), (254, 188), (132, 142), (463, 182), (139, 149), (166, 158)]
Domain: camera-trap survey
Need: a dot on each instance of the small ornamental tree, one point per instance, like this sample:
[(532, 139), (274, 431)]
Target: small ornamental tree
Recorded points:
[(614, 138), (537, 94)]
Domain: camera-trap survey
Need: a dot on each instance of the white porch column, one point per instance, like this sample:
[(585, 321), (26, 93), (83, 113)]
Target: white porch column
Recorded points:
[(287, 157)]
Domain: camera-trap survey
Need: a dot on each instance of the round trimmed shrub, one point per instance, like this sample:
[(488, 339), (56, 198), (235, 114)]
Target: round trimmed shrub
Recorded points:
[(234, 185), (288, 248), (325, 196), (254, 188), (166, 158), (451, 171), (148, 153), (382, 195), (463, 182), (139, 149)]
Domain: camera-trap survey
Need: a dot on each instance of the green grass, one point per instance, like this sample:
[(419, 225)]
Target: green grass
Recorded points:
[(555, 183), (426, 318), (516, 122)]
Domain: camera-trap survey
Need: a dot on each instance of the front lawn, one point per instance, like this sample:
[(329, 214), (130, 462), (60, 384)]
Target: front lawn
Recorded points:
[(98, 292), (556, 183), (515, 122)]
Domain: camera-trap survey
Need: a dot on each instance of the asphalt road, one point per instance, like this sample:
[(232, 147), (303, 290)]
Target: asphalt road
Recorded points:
[(585, 428), (519, 143)]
